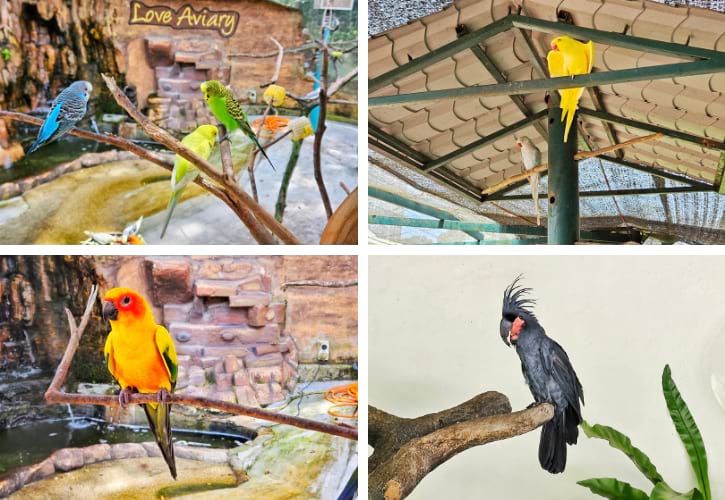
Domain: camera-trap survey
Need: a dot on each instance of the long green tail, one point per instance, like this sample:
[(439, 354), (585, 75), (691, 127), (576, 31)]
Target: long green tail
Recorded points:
[(170, 210), (160, 424)]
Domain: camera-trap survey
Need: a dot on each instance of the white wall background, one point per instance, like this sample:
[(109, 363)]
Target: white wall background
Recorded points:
[(434, 343)]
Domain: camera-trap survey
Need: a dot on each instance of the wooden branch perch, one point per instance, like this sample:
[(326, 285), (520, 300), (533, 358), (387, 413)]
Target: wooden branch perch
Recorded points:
[(406, 450), (243, 201), (278, 64), (55, 394), (581, 155), (317, 146)]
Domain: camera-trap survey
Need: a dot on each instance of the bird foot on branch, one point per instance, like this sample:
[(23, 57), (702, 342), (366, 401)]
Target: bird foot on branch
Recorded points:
[(124, 397)]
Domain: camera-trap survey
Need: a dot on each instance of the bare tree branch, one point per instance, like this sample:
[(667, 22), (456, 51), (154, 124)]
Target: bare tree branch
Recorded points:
[(317, 147), (55, 394), (406, 450), (278, 64), (235, 192)]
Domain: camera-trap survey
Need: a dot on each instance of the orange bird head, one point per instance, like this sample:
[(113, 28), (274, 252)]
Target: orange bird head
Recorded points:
[(124, 304)]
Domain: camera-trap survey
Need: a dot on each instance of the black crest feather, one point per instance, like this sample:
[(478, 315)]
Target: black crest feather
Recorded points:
[(514, 300)]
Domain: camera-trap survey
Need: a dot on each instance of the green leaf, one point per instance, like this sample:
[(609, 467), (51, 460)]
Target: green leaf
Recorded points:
[(621, 442), (613, 489), (688, 431), (662, 491)]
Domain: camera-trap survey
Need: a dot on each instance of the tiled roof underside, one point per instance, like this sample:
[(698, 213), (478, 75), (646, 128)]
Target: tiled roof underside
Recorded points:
[(695, 105)]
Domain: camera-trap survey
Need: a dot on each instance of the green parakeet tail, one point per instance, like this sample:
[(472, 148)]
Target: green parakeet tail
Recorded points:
[(160, 424), (170, 210)]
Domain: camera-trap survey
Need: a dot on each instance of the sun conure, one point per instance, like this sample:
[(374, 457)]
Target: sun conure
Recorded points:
[(225, 107), (141, 356), (569, 57)]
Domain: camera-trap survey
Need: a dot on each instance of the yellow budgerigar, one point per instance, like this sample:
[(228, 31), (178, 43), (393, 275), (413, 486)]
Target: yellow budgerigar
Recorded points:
[(569, 57), (201, 141)]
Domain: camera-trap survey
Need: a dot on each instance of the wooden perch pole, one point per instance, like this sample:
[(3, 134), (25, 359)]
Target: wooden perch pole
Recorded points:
[(55, 394), (245, 202), (406, 450), (317, 147), (581, 155)]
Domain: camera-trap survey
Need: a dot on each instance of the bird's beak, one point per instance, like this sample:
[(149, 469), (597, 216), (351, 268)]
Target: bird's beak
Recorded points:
[(505, 331), (553, 46), (110, 313)]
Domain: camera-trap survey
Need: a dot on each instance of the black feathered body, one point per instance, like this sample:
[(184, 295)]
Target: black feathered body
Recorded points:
[(550, 376)]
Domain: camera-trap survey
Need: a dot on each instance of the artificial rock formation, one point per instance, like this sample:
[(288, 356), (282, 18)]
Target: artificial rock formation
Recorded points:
[(227, 327)]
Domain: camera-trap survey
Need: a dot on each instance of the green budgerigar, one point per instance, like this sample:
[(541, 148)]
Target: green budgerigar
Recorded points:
[(201, 141), (229, 112)]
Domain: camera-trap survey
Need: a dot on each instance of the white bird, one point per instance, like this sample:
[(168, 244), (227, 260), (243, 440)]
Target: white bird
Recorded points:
[(531, 157)]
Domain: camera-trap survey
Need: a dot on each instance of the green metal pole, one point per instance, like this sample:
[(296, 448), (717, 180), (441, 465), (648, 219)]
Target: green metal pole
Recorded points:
[(563, 226)]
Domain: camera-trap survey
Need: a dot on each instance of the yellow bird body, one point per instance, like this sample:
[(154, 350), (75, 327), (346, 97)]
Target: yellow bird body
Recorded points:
[(141, 356), (569, 57)]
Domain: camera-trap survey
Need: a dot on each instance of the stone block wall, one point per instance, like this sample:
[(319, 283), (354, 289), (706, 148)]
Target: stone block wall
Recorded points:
[(228, 328)]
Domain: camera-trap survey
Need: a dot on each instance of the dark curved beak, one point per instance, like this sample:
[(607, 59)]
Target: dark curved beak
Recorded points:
[(110, 313), (505, 330)]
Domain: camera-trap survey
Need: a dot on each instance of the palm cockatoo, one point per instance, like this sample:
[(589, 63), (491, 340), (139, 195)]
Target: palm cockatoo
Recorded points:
[(531, 156)]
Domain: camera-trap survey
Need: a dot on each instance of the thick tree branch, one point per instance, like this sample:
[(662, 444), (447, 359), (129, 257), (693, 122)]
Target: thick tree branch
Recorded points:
[(55, 394), (406, 450)]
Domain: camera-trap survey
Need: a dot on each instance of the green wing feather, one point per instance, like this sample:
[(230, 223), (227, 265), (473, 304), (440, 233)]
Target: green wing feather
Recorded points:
[(165, 344)]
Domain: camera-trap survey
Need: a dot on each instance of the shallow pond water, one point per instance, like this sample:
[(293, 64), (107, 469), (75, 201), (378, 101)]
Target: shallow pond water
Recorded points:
[(31, 443), (50, 156)]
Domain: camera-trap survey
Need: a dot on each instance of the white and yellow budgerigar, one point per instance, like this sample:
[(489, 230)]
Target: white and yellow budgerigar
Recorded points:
[(569, 57), (201, 141)]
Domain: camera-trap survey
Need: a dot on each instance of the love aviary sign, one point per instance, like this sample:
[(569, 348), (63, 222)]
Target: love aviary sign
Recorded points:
[(185, 17)]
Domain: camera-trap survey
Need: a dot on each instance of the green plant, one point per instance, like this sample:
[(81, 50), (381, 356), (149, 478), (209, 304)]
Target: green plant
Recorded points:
[(691, 439)]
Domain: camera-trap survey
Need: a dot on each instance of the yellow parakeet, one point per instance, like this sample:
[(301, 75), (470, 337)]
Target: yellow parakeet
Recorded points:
[(569, 57), (201, 141)]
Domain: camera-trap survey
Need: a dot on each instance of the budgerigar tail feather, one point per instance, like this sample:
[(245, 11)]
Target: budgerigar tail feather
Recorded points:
[(160, 423), (534, 181), (261, 149), (35, 146), (170, 210)]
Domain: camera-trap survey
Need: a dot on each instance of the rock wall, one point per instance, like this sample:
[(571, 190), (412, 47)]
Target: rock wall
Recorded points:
[(46, 44), (239, 330), (34, 292)]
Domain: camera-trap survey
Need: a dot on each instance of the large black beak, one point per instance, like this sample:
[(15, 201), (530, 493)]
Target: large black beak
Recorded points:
[(505, 330), (110, 313)]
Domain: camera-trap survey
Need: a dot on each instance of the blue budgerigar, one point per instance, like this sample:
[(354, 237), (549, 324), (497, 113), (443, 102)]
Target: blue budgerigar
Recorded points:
[(67, 109)]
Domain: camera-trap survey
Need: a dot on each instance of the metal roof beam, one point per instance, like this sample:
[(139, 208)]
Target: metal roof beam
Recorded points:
[(439, 54), (659, 173), (618, 39), (496, 73), (402, 151), (564, 82), (483, 141), (522, 241), (675, 134), (611, 192), (720, 175), (596, 235), (402, 201)]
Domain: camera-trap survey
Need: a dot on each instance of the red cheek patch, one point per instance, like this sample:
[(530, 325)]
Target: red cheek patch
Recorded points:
[(516, 327)]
